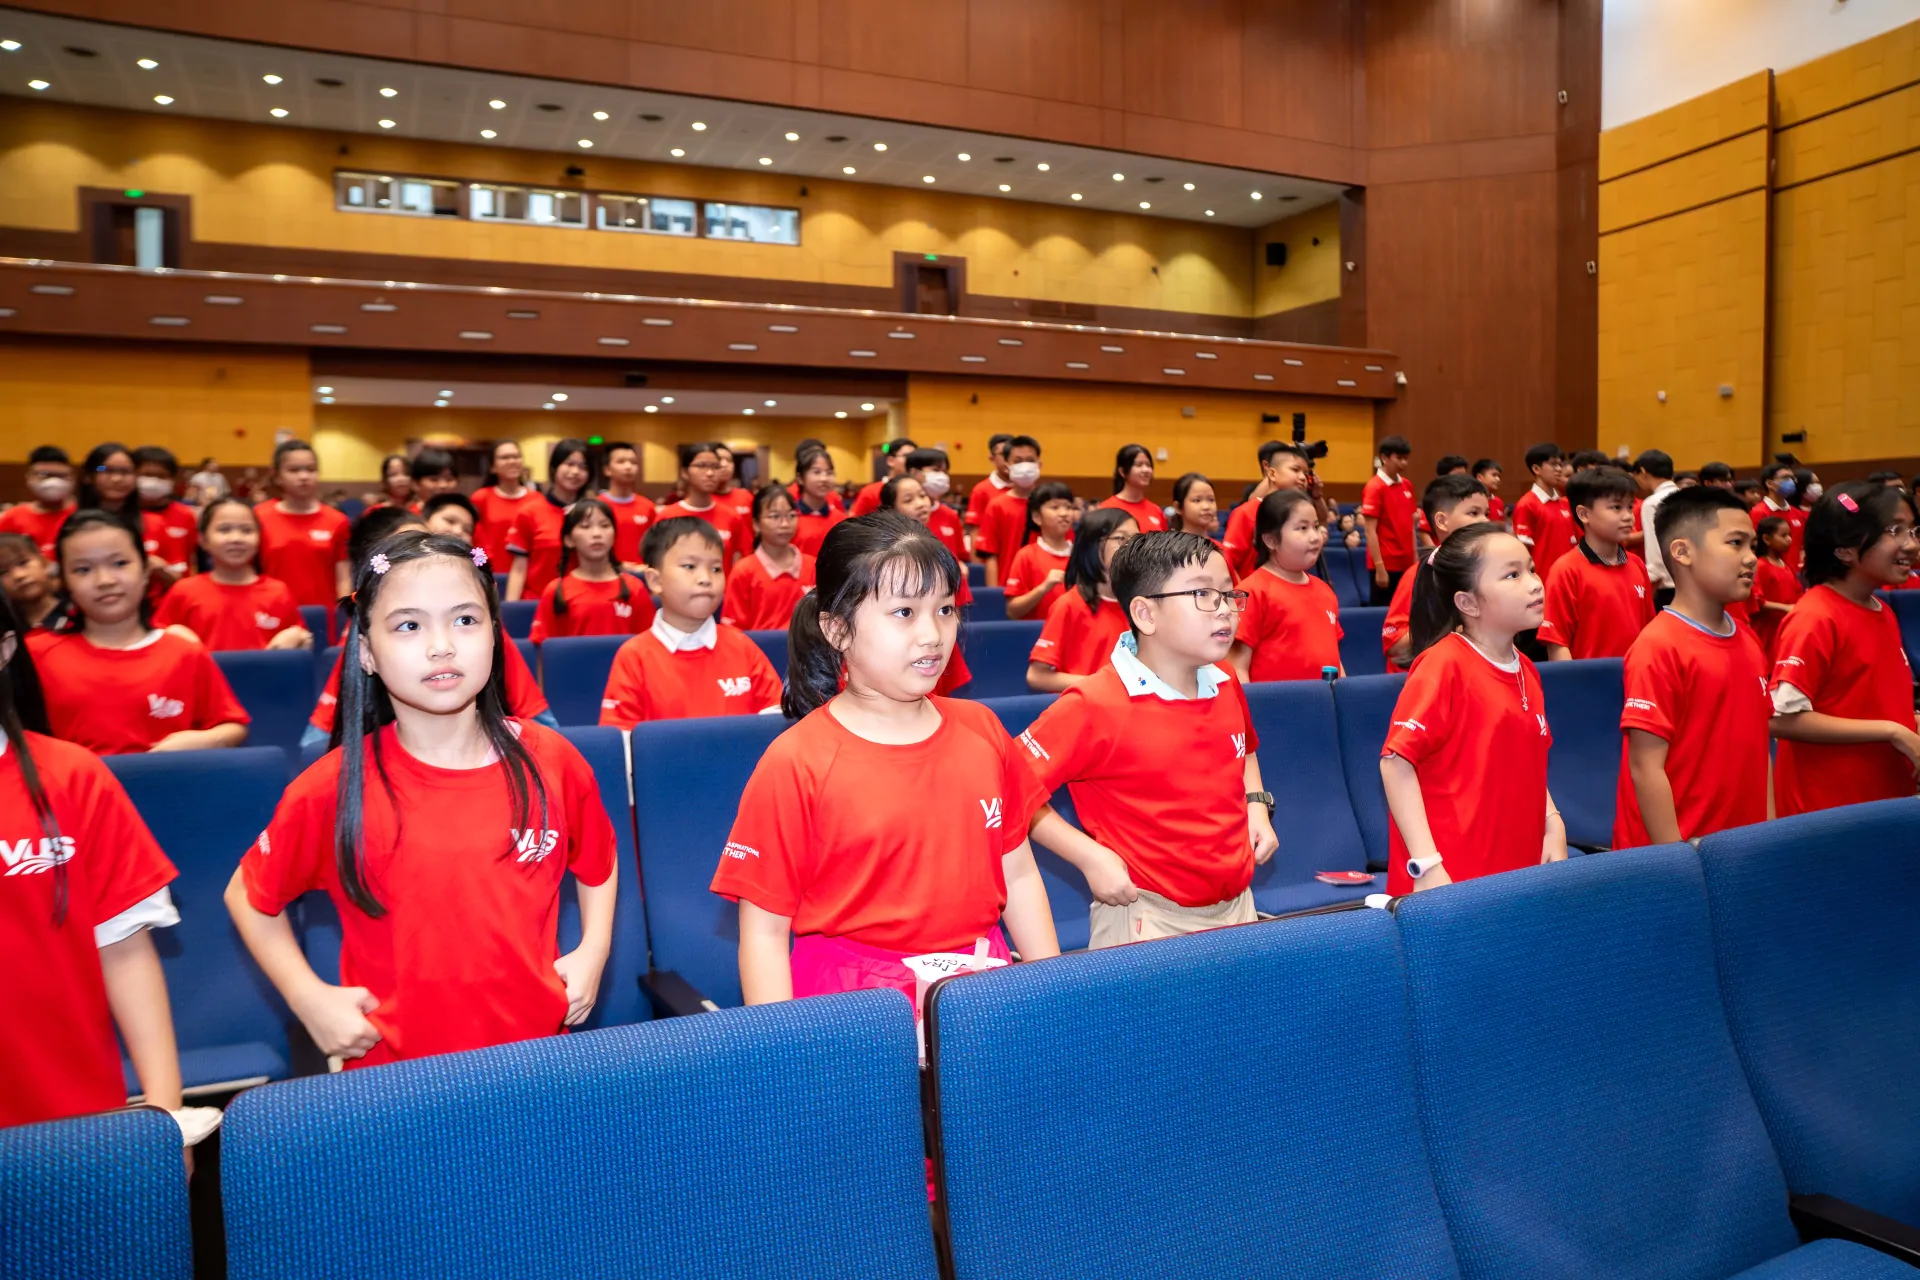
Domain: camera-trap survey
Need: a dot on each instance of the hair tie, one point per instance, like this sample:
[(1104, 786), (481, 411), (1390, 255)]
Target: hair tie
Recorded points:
[(1432, 555), (479, 558), (379, 563), (1846, 500)]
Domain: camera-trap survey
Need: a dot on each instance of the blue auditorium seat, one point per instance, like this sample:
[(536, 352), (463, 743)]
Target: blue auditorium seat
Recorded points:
[(687, 780), (1584, 702), (1233, 1103), (1906, 609), (774, 645), (500, 585), (783, 1141), (1813, 927), (997, 654), (1360, 651), (1362, 710), (1313, 818), (1066, 888), (1338, 563), (516, 617), (1584, 1109), (100, 1195), (272, 685), (576, 673), (989, 605), (976, 574), (314, 617), (206, 808)]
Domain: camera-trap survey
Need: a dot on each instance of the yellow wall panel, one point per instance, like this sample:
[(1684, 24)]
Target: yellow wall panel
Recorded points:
[(1312, 273), (1683, 310), (1855, 73), (1723, 170), (1849, 138), (1698, 122)]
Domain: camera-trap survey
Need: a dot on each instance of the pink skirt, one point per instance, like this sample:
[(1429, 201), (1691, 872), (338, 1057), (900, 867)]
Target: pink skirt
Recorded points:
[(823, 966)]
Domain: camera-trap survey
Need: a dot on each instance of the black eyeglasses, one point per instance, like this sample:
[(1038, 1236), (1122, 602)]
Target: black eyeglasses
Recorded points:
[(1208, 599)]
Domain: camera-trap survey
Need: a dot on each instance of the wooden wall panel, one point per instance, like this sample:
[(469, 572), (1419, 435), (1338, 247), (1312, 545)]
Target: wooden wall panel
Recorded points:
[(1459, 71), (917, 39), (1688, 181), (1727, 112), (1849, 138), (1037, 48), (1183, 60), (755, 28), (1849, 75), (1285, 93)]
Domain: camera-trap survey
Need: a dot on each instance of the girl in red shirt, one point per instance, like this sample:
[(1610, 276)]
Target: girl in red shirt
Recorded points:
[(1465, 761), (1085, 622), (234, 605), (534, 541), (1291, 627), (869, 876), (303, 543), (1195, 508), (441, 830), (1776, 588), (1132, 473), (700, 472), (1037, 574), (113, 683), (591, 597), (84, 881), (1842, 689), (764, 588), (729, 494), (396, 482), (814, 474), (502, 496), (26, 579), (906, 496)]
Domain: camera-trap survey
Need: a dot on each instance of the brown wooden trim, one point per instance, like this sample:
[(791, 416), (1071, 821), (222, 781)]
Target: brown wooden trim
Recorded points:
[(1682, 155), (1692, 208), (1317, 323)]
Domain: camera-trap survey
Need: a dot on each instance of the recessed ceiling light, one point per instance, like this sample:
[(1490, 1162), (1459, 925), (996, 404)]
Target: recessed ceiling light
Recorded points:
[(11, 46), (488, 133), (146, 64), (1076, 195), (747, 412), (389, 93), (927, 178), (38, 85), (1256, 195), (497, 105), (846, 168), (1145, 205), (1189, 186), (599, 115), (325, 391), (446, 393), (1005, 187), (270, 79), (278, 113), (793, 137), (1043, 166), (586, 142), (386, 124), (666, 399), (557, 396), (771, 403), (839, 413), (867, 407), (326, 399), (1209, 213), (653, 408), (699, 126), (547, 405), (677, 152), (163, 99), (1119, 177), (879, 146), (965, 156), (439, 404), (766, 159)]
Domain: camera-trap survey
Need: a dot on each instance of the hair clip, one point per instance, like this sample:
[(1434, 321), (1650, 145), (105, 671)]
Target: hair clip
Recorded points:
[(479, 558), (1433, 555), (379, 563), (1846, 500)]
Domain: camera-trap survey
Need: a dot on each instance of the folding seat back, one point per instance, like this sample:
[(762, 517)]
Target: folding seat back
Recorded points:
[(206, 808), (976, 574), (1584, 702), (1362, 712), (272, 684), (989, 605), (1066, 888), (688, 776), (620, 1000), (774, 645), (1360, 651), (316, 618), (100, 1195), (1300, 766), (575, 675), (775, 1142), (516, 617), (1338, 563), (997, 654), (1906, 609), (1584, 1109), (1820, 969), (1233, 1103)]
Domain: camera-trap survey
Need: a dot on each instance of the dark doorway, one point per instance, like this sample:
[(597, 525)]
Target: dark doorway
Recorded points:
[(135, 231), (930, 285)]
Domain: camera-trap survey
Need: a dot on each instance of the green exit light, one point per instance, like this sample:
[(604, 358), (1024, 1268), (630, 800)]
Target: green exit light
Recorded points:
[(133, 193), (931, 257), (596, 439)]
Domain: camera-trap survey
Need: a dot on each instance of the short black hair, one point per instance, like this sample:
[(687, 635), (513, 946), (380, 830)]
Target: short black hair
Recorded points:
[(996, 441), (1715, 473), (688, 452), (1584, 458), (430, 462), (899, 445), (1687, 475), (1444, 493), (1881, 476), (809, 443), (48, 453), (1544, 452), (612, 447), (373, 526), (460, 500), (1148, 562), (1768, 526), (1589, 486), (1485, 465), (1024, 442), (1655, 463), (1773, 469), (1855, 514), (921, 459), (1395, 445), (152, 455), (1274, 448), (1449, 463), (1686, 512), (661, 537)]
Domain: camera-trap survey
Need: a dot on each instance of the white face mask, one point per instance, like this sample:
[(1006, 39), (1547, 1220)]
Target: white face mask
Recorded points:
[(936, 483), (1814, 490), (51, 489), (153, 488), (1024, 474)]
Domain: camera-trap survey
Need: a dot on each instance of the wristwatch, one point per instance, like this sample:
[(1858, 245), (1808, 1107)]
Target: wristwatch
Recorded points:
[(1261, 797), (1417, 867)]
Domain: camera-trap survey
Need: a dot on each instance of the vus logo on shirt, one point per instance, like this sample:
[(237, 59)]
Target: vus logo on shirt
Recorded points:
[(1541, 716), (164, 708), (622, 610), (991, 808), (736, 686), (1239, 746), (266, 621), (320, 535), (533, 845), (22, 860)]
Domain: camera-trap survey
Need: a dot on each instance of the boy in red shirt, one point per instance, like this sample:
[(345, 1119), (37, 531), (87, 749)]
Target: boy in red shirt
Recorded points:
[(1450, 502), (1282, 466), (1487, 472), (687, 664), (632, 510), (1782, 500), (1542, 519), (1386, 506), (1599, 599), (1694, 755), (995, 484), (1160, 863), (50, 481), (170, 525), (896, 453), (1003, 525)]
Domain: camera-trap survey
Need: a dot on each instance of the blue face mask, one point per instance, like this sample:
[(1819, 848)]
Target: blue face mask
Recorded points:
[(1787, 489)]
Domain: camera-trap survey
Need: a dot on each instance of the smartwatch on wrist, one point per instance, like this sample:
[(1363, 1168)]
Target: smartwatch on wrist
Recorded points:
[(1261, 797), (1418, 867)]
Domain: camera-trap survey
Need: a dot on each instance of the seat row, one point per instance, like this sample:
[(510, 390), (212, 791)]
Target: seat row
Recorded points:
[(1657, 1064)]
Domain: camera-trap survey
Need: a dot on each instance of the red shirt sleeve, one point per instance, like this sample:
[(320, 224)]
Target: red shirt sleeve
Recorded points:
[(543, 615), (1053, 634), (1063, 743), (342, 531), (135, 868), (621, 705), (213, 700), (1014, 579), (1526, 519), (289, 857), (771, 833), (1805, 647), (1651, 690), (591, 849), (735, 605), (520, 535), (1371, 496), (1423, 711), (1561, 621), (1023, 792)]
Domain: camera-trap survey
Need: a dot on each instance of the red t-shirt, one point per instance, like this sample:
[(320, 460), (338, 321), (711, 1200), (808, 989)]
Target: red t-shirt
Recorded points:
[(1399, 619), (1031, 565), (58, 1054), (648, 682), (1390, 502), (1111, 750), (1244, 552), (1779, 585), (172, 533), (631, 516), (463, 957), (120, 701), (42, 526), (1596, 610), (1706, 696), (301, 550), (868, 499), (1850, 663), (943, 522), (1293, 629), (735, 530), (1497, 510), (1548, 527), (593, 609), (1076, 639), (497, 514), (524, 698), (536, 535), (758, 599), (1477, 737), (1003, 525), (1796, 518), (833, 498), (912, 866), (226, 616), (980, 495), (1146, 513), (811, 530), (741, 500)]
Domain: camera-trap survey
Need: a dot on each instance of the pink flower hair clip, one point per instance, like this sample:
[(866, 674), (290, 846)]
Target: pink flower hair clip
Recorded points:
[(479, 558), (379, 564)]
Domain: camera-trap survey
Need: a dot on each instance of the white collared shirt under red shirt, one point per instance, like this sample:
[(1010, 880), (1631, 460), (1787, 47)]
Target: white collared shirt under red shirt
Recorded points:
[(1595, 609), (1543, 520), (1476, 735), (1391, 504), (762, 596), (122, 701), (669, 674), (463, 957), (981, 494), (631, 516), (58, 1053), (593, 608), (1109, 739), (736, 532)]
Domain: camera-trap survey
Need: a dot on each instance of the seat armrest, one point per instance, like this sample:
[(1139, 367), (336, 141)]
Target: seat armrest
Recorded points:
[(672, 996), (1827, 1218), (1586, 848)]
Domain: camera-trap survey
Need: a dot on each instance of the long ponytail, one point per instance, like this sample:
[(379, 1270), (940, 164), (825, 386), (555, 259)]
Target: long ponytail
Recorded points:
[(22, 708), (1447, 570)]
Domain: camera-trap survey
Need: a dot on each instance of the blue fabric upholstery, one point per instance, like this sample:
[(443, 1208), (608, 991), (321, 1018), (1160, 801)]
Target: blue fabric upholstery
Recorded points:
[(1234, 1103), (1906, 609), (516, 617), (1338, 562), (1362, 711), (1830, 1260), (272, 685), (1584, 702), (621, 1000), (997, 654), (684, 816), (1360, 651), (1821, 977), (1584, 1109), (314, 618), (1294, 720), (774, 645), (976, 574), (205, 808), (94, 1196), (1067, 893), (323, 660), (575, 677), (775, 1142), (500, 585), (989, 605)]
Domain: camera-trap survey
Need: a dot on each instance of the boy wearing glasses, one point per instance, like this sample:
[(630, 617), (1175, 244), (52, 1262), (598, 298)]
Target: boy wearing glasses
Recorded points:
[(1160, 863)]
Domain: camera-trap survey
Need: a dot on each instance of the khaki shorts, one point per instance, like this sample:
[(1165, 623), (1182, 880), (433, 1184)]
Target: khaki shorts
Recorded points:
[(1153, 916)]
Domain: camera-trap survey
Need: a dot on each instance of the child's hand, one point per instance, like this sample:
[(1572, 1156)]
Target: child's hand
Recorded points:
[(1907, 743), (581, 973), (1054, 578), (292, 638), (1260, 828), (1110, 882), (1380, 576), (336, 1018)]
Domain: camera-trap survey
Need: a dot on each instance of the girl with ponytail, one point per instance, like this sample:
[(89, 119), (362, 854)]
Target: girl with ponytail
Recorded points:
[(592, 596), (1465, 761), (889, 822), (441, 828)]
